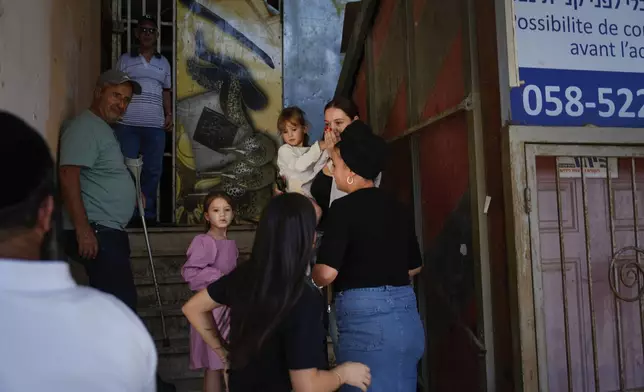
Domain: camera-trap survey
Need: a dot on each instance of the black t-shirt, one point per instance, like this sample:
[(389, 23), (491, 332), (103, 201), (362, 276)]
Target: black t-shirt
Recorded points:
[(297, 343), (370, 239)]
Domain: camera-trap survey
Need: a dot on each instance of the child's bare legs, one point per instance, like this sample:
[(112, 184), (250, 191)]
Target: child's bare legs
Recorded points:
[(213, 381)]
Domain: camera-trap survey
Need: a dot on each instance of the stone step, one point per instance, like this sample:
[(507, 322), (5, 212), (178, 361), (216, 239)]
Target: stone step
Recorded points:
[(167, 268), (174, 241), (174, 361), (177, 366), (176, 323), (178, 345), (171, 294), (169, 245), (174, 364), (194, 384)]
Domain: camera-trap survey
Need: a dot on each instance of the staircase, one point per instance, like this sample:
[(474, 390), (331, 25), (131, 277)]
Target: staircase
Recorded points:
[(169, 245)]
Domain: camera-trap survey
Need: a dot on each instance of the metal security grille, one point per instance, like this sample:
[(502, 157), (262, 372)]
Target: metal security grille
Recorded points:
[(585, 208), (125, 14)]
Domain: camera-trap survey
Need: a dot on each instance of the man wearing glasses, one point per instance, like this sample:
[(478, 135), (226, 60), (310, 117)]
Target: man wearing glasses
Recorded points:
[(141, 131)]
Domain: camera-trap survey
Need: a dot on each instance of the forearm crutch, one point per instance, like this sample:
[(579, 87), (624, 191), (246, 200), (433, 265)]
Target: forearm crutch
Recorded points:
[(135, 166)]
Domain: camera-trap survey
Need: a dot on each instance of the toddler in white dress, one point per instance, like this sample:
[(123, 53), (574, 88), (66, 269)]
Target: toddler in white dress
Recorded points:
[(297, 161)]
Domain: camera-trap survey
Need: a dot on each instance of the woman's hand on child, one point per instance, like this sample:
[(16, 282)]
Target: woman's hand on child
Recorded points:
[(355, 374)]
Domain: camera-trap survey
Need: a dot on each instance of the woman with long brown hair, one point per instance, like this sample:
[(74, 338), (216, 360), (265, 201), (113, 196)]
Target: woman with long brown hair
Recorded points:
[(276, 334)]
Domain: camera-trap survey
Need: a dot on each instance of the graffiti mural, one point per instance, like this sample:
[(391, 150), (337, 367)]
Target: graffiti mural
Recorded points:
[(229, 94)]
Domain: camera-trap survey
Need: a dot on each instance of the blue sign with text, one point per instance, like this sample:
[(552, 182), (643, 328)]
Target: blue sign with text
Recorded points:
[(580, 62)]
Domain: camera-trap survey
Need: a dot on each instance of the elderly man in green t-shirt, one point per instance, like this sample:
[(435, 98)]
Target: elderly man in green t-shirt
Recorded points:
[(98, 190)]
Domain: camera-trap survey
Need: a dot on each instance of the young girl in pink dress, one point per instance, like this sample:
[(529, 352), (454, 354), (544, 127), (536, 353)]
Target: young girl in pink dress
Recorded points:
[(211, 256)]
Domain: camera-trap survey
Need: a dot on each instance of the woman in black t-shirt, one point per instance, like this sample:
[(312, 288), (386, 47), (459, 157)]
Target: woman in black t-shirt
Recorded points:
[(369, 253), (338, 114), (276, 336)]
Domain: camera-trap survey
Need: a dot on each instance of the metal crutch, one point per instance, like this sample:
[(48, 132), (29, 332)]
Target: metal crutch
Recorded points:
[(135, 166)]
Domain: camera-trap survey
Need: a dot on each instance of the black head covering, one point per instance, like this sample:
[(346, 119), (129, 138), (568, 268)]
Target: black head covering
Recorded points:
[(26, 164), (363, 152)]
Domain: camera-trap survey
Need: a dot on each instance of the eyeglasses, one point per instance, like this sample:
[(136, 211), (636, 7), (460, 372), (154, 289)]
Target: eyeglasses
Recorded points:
[(148, 30)]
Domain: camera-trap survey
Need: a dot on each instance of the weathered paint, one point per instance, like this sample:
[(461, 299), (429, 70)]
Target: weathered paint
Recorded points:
[(360, 91), (397, 177), (437, 83), (389, 95), (382, 26), (244, 93), (50, 60), (438, 58), (312, 59), (518, 237), (491, 124)]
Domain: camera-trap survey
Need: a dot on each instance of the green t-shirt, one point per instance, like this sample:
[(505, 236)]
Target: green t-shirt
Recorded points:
[(107, 187)]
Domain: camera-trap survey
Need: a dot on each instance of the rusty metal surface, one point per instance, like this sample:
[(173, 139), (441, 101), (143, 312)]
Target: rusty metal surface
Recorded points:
[(562, 260), (637, 243), (312, 59), (520, 280), (591, 302), (389, 52), (438, 80), (356, 47), (612, 277)]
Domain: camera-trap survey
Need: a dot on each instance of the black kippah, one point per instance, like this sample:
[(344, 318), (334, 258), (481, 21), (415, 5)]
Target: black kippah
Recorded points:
[(25, 160), (363, 152)]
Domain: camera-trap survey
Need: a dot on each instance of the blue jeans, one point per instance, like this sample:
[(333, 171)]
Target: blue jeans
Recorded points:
[(381, 328), (149, 142)]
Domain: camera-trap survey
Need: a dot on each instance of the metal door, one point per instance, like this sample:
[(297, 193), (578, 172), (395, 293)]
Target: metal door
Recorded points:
[(125, 14), (586, 203)]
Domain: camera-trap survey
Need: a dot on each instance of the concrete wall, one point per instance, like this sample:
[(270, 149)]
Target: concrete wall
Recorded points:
[(49, 59)]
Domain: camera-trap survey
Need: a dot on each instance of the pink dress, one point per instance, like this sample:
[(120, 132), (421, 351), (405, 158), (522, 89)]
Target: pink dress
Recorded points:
[(208, 260)]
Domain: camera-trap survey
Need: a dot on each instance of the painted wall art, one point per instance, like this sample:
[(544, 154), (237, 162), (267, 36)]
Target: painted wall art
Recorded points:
[(229, 94)]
